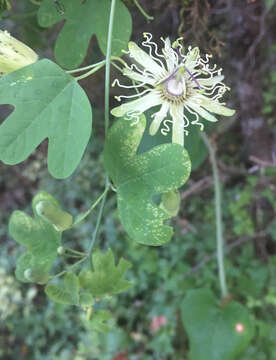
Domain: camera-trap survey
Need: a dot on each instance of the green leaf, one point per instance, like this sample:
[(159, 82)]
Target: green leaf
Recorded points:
[(107, 278), (99, 321), (49, 103), (82, 21), (222, 333), (193, 142), (66, 293), (86, 299), (139, 177), (41, 240)]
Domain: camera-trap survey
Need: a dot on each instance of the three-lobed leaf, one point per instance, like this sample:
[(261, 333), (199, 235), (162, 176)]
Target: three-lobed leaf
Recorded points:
[(222, 333), (139, 177), (66, 293), (49, 103), (69, 292), (107, 278), (84, 19), (40, 238)]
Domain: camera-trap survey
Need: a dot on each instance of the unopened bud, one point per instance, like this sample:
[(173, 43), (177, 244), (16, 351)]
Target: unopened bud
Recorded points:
[(14, 54)]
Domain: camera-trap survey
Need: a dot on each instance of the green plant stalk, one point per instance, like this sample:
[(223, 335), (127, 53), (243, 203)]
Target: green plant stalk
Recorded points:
[(219, 223), (107, 66), (96, 230), (86, 67), (84, 215), (90, 72), (106, 123), (142, 11)]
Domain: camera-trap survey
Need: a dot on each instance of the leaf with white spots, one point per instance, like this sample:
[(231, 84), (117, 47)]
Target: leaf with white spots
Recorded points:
[(139, 177)]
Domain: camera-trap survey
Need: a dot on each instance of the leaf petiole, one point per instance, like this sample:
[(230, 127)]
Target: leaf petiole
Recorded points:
[(82, 216)]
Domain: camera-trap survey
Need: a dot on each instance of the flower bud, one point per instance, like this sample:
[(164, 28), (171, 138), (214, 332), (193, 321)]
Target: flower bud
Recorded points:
[(14, 54)]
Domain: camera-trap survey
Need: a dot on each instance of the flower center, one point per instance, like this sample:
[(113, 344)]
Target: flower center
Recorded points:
[(176, 87)]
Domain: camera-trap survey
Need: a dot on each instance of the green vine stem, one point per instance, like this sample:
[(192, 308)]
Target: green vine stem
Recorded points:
[(219, 223), (106, 122), (142, 11), (90, 72), (82, 216)]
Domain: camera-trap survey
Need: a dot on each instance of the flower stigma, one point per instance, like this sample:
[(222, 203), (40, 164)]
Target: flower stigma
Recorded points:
[(184, 86)]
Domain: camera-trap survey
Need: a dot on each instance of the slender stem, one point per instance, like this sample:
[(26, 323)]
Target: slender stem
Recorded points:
[(117, 67), (106, 123), (99, 218), (82, 216), (219, 223), (89, 72), (107, 65), (69, 267), (148, 17), (86, 67), (75, 252)]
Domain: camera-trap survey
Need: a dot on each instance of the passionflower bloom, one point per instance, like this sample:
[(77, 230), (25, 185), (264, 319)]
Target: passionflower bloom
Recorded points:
[(183, 85), (14, 54)]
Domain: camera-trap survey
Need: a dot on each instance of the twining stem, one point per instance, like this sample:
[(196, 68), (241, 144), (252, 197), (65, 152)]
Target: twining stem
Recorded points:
[(142, 11), (219, 223), (106, 122)]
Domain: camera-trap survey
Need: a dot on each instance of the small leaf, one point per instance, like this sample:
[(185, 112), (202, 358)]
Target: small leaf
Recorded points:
[(41, 240), (107, 278), (99, 321), (66, 293), (84, 19), (86, 299), (49, 103), (139, 177), (222, 333)]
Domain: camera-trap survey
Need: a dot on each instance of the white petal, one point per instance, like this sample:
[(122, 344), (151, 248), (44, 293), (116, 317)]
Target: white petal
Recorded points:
[(145, 60), (211, 81), (216, 107), (170, 57), (139, 77), (140, 105), (178, 124), (201, 111), (191, 59), (158, 118)]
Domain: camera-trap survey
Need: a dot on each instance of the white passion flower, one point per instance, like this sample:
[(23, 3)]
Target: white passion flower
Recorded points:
[(184, 86), (14, 54)]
